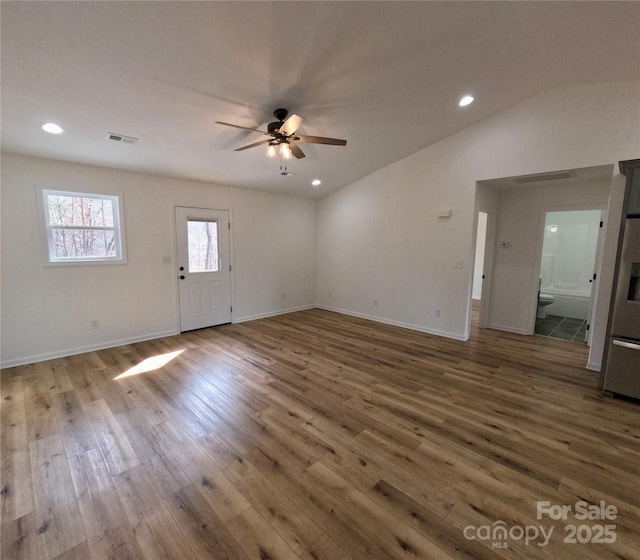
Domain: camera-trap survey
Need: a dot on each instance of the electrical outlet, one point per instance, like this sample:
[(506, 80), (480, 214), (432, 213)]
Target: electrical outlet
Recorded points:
[(284, 297), (95, 324), (437, 313), (375, 302), (330, 294)]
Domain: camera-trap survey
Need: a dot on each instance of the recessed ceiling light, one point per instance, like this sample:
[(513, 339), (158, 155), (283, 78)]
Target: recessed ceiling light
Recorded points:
[(316, 182), (52, 128), (466, 100)]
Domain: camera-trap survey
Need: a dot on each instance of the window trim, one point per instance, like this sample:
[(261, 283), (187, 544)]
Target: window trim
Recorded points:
[(118, 228)]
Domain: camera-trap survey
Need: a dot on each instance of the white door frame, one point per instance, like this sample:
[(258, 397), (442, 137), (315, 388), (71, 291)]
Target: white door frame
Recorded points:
[(533, 308), (595, 286)]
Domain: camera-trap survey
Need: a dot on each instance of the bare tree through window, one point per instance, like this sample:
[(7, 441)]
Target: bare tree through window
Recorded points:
[(81, 227), (203, 246)]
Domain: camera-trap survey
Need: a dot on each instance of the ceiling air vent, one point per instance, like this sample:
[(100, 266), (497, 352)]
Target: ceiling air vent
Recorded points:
[(122, 138), (553, 176)]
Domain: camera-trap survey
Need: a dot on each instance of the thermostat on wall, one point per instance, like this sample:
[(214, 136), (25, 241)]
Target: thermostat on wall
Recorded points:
[(444, 213)]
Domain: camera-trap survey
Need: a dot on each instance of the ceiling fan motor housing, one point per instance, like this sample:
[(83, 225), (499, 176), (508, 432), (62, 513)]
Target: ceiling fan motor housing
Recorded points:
[(281, 115)]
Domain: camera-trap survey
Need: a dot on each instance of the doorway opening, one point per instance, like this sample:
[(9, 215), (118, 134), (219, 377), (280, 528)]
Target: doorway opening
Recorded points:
[(570, 252)]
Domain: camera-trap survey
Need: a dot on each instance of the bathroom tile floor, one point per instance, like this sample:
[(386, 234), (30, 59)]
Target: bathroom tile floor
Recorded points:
[(566, 328)]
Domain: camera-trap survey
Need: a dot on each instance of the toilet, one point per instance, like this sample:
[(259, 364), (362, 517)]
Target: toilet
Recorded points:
[(543, 301)]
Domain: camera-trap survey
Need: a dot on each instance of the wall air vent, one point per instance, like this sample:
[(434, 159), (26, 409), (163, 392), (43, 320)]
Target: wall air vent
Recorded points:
[(538, 178), (121, 138)]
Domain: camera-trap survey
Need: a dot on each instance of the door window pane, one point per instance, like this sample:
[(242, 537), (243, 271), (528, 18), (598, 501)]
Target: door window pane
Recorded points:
[(204, 255)]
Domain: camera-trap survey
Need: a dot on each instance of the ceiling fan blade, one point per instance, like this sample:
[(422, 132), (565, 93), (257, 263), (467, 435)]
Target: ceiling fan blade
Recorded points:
[(291, 125), (242, 127), (320, 140), (252, 145), (295, 150)]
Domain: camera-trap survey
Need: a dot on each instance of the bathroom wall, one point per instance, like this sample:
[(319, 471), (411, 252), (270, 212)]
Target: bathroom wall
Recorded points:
[(569, 251), (568, 257)]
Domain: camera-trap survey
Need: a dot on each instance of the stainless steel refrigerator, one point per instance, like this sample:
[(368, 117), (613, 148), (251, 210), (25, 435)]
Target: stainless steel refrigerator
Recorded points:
[(622, 375)]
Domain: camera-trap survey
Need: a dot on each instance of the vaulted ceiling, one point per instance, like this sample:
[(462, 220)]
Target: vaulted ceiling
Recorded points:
[(386, 76)]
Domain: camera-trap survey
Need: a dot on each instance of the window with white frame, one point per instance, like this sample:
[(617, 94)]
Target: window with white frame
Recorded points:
[(83, 227)]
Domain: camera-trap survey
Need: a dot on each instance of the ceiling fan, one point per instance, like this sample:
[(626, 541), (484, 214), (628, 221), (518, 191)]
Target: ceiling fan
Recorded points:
[(282, 135)]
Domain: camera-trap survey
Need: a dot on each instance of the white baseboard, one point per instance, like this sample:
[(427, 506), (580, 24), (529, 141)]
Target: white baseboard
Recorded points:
[(594, 366), (122, 342), (509, 329), (82, 349), (272, 314), (150, 336), (418, 328)]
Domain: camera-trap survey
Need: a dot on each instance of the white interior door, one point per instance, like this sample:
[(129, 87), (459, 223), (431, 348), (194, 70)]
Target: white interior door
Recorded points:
[(204, 277), (487, 269)]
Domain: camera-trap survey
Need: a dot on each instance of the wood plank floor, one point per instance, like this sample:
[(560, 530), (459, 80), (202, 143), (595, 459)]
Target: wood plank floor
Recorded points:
[(316, 436)]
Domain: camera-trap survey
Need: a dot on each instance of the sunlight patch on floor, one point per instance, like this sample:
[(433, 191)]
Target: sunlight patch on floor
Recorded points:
[(150, 364)]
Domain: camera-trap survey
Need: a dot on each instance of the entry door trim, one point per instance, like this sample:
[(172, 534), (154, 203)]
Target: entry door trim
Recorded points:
[(176, 263)]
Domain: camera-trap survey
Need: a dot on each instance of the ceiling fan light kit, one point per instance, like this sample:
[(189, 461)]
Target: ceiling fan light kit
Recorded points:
[(283, 138)]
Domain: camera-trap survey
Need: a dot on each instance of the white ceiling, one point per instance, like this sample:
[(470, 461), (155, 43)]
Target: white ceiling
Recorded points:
[(386, 76)]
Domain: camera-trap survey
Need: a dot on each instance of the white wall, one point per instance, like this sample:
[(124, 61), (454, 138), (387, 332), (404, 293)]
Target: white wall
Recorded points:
[(47, 311), (379, 238)]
